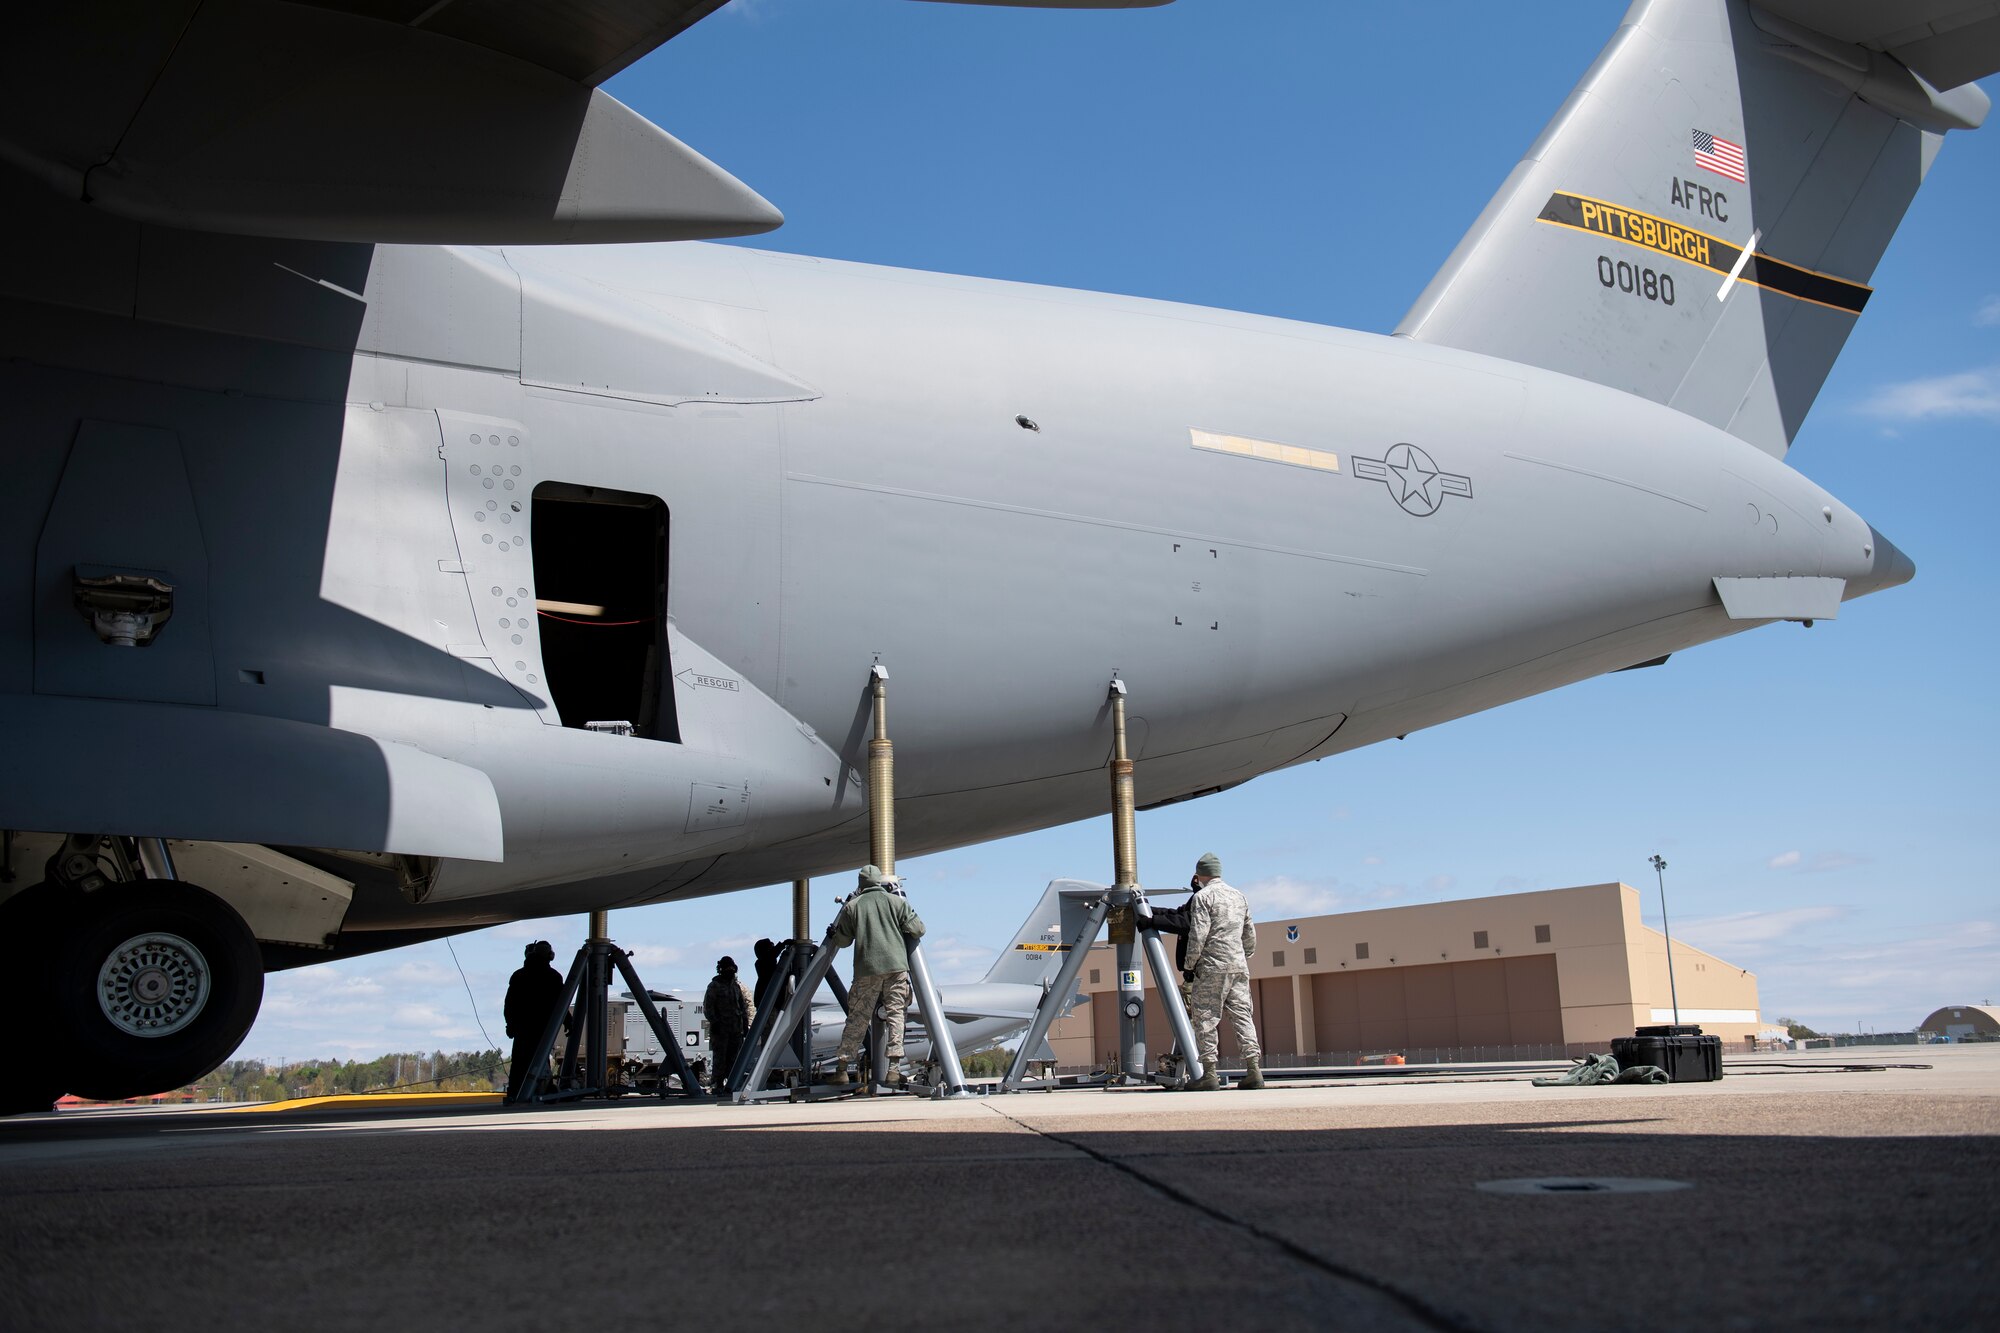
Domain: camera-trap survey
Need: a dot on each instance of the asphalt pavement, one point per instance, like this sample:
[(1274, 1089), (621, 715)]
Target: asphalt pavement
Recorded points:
[(1805, 1195)]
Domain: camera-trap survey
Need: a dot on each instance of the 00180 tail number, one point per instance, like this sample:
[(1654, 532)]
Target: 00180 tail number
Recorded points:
[(1636, 280)]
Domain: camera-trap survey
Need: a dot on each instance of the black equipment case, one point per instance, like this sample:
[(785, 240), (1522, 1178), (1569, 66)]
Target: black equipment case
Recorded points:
[(1686, 1055)]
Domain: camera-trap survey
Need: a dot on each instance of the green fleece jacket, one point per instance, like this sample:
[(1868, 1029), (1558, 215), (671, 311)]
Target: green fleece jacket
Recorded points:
[(877, 922)]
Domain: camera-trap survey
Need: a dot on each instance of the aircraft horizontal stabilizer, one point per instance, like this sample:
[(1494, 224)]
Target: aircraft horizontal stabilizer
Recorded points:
[(1947, 43)]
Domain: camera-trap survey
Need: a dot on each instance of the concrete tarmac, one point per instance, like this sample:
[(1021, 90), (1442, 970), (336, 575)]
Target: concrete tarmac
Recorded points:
[(1817, 1198)]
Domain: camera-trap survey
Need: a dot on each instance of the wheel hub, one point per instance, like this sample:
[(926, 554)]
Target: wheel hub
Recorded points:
[(153, 985)]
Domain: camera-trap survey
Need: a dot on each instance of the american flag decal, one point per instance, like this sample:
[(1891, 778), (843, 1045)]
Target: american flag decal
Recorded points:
[(1721, 157)]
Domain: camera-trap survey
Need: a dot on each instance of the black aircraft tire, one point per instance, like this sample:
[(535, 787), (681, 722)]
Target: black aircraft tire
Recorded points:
[(154, 988), (32, 922)]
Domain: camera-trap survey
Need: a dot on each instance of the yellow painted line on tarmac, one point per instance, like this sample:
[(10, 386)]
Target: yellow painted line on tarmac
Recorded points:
[(349, 1101)]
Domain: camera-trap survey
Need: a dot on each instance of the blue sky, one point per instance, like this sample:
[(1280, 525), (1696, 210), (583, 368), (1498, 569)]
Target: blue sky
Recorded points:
[(1824, 798)]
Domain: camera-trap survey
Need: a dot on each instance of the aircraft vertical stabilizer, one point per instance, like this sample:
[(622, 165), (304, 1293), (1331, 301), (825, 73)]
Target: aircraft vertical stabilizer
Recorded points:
[(1037, 949), (1699, 222)]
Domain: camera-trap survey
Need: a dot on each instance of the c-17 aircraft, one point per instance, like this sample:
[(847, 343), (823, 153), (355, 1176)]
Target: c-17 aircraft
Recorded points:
[(409, 526)]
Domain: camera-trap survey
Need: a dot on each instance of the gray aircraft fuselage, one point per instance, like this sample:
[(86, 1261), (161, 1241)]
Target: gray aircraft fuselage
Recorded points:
[(1290, 541)]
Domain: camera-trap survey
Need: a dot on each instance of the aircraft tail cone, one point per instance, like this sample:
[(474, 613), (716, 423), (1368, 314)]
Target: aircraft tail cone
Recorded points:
[(1890, 567)]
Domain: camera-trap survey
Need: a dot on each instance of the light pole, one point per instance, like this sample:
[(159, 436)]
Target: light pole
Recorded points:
[(1660, 872)]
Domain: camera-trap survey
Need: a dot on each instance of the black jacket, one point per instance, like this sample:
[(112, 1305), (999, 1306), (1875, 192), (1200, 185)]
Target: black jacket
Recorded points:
[(723, 1006), (531, 993), (1174, 921)]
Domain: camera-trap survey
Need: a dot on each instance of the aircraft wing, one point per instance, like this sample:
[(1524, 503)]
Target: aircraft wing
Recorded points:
[(471, 122), (833, 1015), (961, 1014), (371, 120), (587, 41)]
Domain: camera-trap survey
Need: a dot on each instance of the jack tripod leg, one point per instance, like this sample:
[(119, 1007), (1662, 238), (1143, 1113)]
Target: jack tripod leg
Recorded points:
[(943, 1049), (818, 970), (1167, 979), (768, 1009), (1057, 994), (597, 1013), (661, 1032)]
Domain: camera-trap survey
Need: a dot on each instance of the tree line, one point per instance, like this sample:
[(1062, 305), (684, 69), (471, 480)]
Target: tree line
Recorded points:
[(408, 1071)]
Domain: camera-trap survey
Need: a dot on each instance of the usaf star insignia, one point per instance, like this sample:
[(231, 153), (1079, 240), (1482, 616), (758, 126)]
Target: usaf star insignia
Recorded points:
[(1414, 481)]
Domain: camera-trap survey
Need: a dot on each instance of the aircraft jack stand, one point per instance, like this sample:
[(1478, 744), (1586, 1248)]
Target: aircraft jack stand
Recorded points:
[(1123, 906), (769, 1033), (589, 986), (760, 1052), (775, 1029), (1131, 1070)]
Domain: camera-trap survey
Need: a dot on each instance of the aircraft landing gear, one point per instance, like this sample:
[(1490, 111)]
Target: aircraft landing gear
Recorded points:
[(120, 979), (152, 987)]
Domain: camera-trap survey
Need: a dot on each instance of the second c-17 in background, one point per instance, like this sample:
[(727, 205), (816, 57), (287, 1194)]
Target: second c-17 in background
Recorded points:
[(441, 465)]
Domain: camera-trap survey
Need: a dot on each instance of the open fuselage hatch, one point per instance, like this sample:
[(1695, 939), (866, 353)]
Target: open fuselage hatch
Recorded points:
[(601, 597)]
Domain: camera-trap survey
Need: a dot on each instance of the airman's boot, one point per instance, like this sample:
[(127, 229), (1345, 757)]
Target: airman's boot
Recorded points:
[(838, 1078), (1208, 1082), (1253, 1076)]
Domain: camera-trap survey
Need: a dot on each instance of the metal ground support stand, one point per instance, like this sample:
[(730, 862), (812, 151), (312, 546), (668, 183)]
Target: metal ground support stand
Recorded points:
[(793, 959), (1129, 933), (931, 1009), (882, 847), (1165, 977), (765, 1041), (589, 985)]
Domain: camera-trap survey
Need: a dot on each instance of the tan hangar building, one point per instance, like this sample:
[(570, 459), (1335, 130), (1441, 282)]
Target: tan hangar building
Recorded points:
[(1477, 978)]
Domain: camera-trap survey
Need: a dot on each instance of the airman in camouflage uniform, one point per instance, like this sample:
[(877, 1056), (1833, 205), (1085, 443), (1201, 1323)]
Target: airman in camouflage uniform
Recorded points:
[(1220, 939), (879, 925)]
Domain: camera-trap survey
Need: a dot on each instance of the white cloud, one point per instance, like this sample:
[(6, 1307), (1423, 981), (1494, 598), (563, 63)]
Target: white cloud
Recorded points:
[(1743, 931), (420, 972), (1371, 860), (418, 1016), (1282, 895), (1988, 312), (1888, 985), (1969, 393), (955, 960), (1817, 863), (656, 955), (316, 991), (1961, 957), (1440, 883)]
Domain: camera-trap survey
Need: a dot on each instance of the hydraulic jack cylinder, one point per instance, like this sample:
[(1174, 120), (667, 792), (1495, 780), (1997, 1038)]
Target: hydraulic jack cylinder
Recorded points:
[(882, 844), (1123, 898)]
